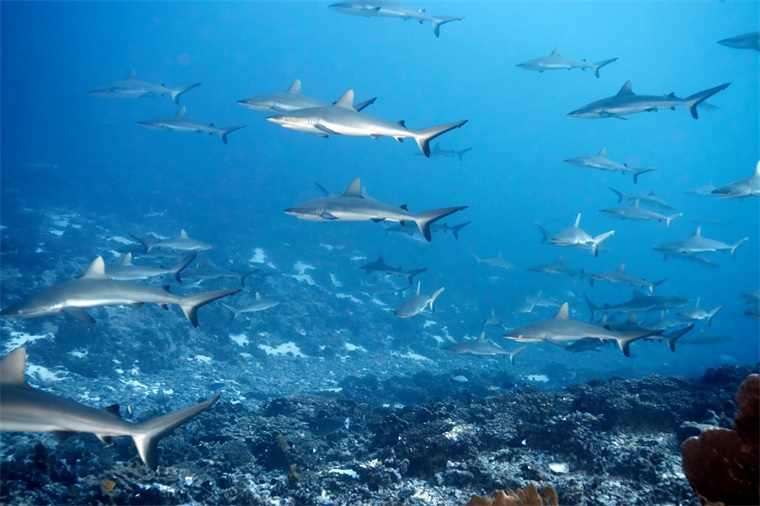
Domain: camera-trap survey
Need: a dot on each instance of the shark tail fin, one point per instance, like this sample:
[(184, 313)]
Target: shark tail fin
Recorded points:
[(461, 153), (176, 92), (180, 266), (514, 353), (223, 132), (425, 135), (410, 275), (242, 278), (232, 310), (672, 217), (442, 20), (435, 296), (599, 239), (547, 234), (692, 101), (455, 230), (144, 241), (598, 65), (593, 308), (148, 434), (191, 303), (361, 105), (736, 245), (638, 172), (656, 284), (427, 218), (713, 313), (619, 195), (673, 337)]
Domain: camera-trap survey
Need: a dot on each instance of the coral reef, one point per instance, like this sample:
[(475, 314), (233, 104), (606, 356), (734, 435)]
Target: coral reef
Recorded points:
[(527, 496)]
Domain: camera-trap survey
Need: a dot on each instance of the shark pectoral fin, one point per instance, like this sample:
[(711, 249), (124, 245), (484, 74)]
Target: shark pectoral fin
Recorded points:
[(137, 305), (328, 217), (106, 440), (79, 314), (325, 129), (165, 307), (375, 136), (377, 220), (62, 435)]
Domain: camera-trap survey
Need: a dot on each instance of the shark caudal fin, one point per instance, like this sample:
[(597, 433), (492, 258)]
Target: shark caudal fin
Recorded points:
[(672, 217), (592, 307), (191, 303), (232, 310), (176, 92), (656, 284), (425, 135), (674, 336), (619, 194), (424, 220), (599, 239), (223, 132), (692, 101), (442, 20), (180, 266), (435, 296), (456, 228), (144, 241), (637, 172), (547, 235), (512, 354), (249, 273), (410, 275), (736, 245), (461, 153), (601, 64), (148, 434), (713, 313)]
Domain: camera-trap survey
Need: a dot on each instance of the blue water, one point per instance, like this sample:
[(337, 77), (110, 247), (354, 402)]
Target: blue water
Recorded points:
[(62, 148)]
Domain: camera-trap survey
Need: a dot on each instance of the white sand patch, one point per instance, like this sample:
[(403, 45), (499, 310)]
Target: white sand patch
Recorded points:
[(353, 347), (335, 281), (203, 358), (19, 339), (61, 223), (283, 349), (301, 267), (240, 339), (78, 353), (259, 257), (538, 378), (59, 233), (122, 240), (429, 323), (347, 296), (379, 302), (78, 227), (328, 247), (347, 472), (135, 384), (41, 373), (305, 278), (410, 355), (357, 258)]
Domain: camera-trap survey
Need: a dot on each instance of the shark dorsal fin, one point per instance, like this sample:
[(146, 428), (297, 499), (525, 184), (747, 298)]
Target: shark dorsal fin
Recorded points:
[(577, 220), (354, 189), (697, 232), (697, 304), (127, 260), (555, 52), (560, 260), (96, 270), (346, 101), (621, 268), (295, 87), (627, 89), (757, 169), (635, 203), (258, 296), (418, 287), (380, 259), (602, 152), (12, 368), (563, 313), (482, 337), (181, 112), (493, 312), (183, 234), (632, 318), (651, 193), (132, 74)]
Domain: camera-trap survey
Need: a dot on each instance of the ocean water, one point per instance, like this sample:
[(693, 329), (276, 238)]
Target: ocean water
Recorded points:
[(68, 153)]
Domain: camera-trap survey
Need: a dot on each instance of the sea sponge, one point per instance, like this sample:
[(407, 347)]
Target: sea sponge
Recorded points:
[(527, 496), (722, 465)]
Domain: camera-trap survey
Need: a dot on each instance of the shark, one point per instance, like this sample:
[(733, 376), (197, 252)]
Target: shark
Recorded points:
[(380, 266), (482, 348), (705, 339), (636, 213), (530, 302), (627, 102), (705, 189), (130, 87), (257, 305), (575, 237), (127, 271), (494, 319), (181, 243), (209, 271), (619, 277), (26, 409), (673, 336), (696, 244), (749, 40), (497, 262), (696, 313), (649, 199), (665, 322), (630, 328), (353, 206), (746, 187), (601, 162), (555, 61), (95, 289), (436, 151), (562, 329), (639, 303), (180, 123), (390, 9), (343, 119), (585, 344), (435, 227), (416, 303), (557, 267), (290, 100)]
